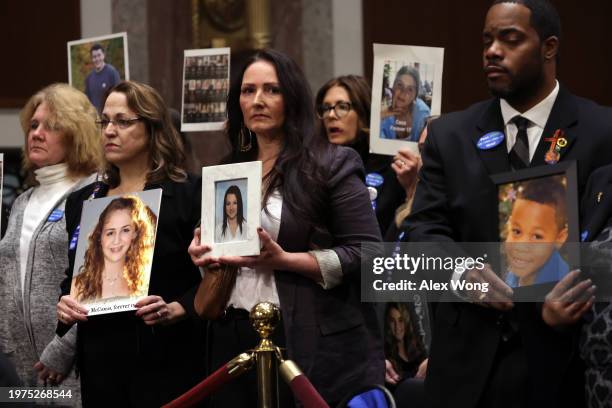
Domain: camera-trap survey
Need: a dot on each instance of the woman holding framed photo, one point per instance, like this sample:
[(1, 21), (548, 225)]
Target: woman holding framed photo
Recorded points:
[(316, 213), (120, 246), (153, 355)]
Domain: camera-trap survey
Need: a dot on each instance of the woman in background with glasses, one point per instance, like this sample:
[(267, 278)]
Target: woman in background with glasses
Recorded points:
[(151, 356), (406, 117), (343, 105)]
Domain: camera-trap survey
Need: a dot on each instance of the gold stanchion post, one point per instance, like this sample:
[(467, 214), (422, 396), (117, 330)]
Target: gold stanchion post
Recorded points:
[(258, 12), (264, 318)]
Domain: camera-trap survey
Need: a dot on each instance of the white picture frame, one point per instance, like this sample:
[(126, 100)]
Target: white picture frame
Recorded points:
[(388, 61), (90, 218), (216, 183), (112, 45), (205, 87)]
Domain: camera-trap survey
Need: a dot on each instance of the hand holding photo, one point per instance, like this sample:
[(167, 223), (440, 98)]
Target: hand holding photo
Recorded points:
[(537, 216), (406, 91), (234, 191), (115, 251)]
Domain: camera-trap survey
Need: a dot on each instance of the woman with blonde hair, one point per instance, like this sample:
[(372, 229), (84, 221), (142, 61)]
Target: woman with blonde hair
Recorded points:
[(120, 247), (61, 152), (151, 356)]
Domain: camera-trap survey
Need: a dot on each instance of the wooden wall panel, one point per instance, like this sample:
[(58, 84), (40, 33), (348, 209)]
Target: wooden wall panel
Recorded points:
[(33, 43), (586, 57)]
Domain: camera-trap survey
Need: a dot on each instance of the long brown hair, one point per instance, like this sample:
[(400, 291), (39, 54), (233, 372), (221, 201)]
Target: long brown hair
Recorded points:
[(297, 172), (166, 151), (139, 254), (413, 343)]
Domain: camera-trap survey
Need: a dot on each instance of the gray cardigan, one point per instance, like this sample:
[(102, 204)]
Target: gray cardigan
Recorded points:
[(28, 321)]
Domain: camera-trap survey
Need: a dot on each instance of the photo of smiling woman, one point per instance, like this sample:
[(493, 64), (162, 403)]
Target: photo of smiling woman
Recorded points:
[(405, 117), (232, 226), (119, 251)]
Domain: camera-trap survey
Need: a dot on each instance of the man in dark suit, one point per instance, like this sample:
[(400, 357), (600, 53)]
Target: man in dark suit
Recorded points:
[(496, 353)]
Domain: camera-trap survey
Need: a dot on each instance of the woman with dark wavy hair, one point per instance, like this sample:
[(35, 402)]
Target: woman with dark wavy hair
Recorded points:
[(149, 357), (233, 226), (120, 247), (404, 348), (316, 214)]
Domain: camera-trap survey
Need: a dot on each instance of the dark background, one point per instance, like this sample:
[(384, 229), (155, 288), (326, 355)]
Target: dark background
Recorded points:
[(586, 55), (33, 46), (35, 35)]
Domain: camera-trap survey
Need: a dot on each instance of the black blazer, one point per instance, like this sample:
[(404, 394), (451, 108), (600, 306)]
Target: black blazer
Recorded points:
[(330, 334), (172, 357), (456, 201), (596, 204), (390, 194)]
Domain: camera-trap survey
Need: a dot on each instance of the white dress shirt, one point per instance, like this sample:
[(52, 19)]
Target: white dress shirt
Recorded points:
[(538, 116), (259, 285)]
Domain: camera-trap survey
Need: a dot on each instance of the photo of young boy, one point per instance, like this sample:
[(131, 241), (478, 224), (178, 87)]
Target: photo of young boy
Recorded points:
[(536, 227)]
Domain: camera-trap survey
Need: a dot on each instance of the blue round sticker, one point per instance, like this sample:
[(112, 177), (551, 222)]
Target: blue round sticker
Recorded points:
[(55, 216), (490, 140), (75, 238), (584, 236), (374, 180)]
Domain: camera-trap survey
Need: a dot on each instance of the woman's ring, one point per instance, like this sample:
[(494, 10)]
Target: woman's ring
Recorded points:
[(159, 314), (482, 296)]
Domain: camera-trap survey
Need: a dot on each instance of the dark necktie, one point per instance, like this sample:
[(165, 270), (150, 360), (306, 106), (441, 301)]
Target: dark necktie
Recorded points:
[(519, 155)]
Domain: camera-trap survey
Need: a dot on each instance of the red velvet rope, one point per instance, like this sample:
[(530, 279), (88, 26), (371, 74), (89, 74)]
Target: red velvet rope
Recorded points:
[(304, 391), (205, 388), (302, 388)]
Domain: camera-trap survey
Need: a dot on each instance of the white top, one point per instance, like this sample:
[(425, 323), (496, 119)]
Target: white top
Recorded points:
[(258, 285), (228, 237), (54, 183), (538, 116)]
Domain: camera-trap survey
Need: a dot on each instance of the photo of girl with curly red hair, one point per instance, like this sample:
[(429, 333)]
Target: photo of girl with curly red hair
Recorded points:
[(119, 252)]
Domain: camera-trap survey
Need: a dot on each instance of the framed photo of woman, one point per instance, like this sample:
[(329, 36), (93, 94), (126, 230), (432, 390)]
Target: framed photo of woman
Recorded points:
[(231, 207), (114, 254), (406, 91)]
